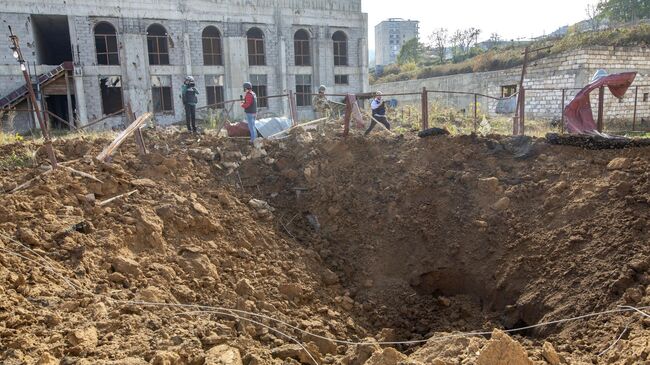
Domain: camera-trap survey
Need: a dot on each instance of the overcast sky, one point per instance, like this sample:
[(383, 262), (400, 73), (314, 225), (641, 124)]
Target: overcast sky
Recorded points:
[(511, 19)]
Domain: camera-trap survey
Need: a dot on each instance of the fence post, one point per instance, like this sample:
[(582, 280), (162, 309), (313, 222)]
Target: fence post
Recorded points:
[(425, 108), (636, 96), (292, 108), (522, 113), (562, 110), (601, 104), (475, 112), (349, 99)]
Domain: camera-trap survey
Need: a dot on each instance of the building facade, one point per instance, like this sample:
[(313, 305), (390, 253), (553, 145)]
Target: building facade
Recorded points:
[(390, 35), (115, 52)]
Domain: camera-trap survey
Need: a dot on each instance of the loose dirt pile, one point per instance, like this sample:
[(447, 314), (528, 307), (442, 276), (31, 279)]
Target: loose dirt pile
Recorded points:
[(382, 239)]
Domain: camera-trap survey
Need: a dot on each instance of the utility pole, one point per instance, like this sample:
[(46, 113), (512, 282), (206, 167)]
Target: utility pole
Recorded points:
[(18, 55)]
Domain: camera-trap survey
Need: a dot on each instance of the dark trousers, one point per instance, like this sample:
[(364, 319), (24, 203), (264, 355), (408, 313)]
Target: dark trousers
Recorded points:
[(190, 117), (380, 119)]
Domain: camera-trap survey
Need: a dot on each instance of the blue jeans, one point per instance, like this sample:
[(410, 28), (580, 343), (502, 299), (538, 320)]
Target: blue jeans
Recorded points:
[(250, 119)]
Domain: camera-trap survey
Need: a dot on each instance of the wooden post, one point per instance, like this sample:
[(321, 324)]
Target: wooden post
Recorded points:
[(349, 99), (636, 97), (601, 111), (292, 107), (475, 113), (68, 94), (562, 110), (425, 108), (522, 112), (137, 134)]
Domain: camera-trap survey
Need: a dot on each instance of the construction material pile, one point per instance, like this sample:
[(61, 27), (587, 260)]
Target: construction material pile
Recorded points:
[(321, 250)]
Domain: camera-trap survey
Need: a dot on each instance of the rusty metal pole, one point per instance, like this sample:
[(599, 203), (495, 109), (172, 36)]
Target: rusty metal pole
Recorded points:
[(636, 97), (425, 108), (562, 110), (292, 107), (348, 114), (32, 97), (601, 110), (475, 113)]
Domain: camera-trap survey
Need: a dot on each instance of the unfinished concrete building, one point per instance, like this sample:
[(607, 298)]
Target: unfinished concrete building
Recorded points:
[(96, 56)]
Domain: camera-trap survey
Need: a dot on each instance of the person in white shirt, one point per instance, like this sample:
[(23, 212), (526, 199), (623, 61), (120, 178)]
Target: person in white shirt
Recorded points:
[(378, 107)]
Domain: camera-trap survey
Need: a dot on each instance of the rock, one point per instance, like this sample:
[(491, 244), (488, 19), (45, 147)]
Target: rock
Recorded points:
[(151, 294), (388, 356), (84, 339), (126, 266), (329, 277), (549, 353), (145, 183), (90, 198), (324, 343), (489, 185), (200, 208), (205, 153), (502, 204), (502, 350), (196, 263), (291, 291), (244, 288), (47, 359), (118, 278), (361, 353), (223, 355), (165, 358), (298, 353), (619, 163)]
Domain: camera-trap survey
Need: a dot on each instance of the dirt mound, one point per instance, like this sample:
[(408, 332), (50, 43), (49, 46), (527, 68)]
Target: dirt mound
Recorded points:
[(385, 239)]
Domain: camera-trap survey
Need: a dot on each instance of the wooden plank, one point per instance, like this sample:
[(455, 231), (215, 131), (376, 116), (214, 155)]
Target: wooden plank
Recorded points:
[(107, 201), (108, 151)]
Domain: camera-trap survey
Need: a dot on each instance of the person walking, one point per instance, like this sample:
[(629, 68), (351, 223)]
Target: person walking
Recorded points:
[(250, 108), (378, 107), (189, 96), (321, 105)]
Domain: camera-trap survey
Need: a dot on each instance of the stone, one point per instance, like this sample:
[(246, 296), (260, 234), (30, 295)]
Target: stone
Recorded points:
[(290, 290), (200, 208), (388, 356), (329, 277), (324, 342), (205, 153), (619, 163), (145, 183), (489, 185), (502, 350), (244, 288), (47, 359), (223, 355), (296, 352), (501, 204), (85, 339), (549, 354), (126, 266), (165, 358)]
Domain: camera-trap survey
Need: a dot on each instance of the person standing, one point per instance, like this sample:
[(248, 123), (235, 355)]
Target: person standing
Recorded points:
[(378, 107), (250, 108), (189, 95), (321, 104)]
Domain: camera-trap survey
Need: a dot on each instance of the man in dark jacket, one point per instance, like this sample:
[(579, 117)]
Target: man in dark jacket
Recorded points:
[(189, 95), (378, 107), (250, 108)]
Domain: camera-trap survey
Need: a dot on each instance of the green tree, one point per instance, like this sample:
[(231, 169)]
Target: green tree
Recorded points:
[(411, 51), (625, 10)]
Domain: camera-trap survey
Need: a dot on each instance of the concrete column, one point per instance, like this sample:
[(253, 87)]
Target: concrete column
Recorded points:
[(324, 59), (363, 62), (187, 54), (284, 75), (236, 69), (80, 96), (136, 80)]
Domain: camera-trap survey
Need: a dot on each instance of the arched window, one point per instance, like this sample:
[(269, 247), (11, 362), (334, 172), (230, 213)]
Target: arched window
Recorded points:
[(106, 44), (157, 45), (255, 47), (212, 55), (340, 48), (301, 48)]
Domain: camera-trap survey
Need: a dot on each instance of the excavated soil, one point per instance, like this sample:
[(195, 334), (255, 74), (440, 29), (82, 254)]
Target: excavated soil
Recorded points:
[(387, 238)]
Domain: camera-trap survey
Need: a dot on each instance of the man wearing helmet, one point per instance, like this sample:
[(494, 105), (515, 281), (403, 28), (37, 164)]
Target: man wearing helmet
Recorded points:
[(189, 96), (378, 107), (321, 104), (250, 108)]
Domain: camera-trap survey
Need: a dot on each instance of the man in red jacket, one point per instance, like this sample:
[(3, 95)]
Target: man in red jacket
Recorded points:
[(250, 108)]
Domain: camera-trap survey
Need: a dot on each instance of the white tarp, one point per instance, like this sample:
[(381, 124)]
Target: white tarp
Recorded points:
[(270, 126)]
